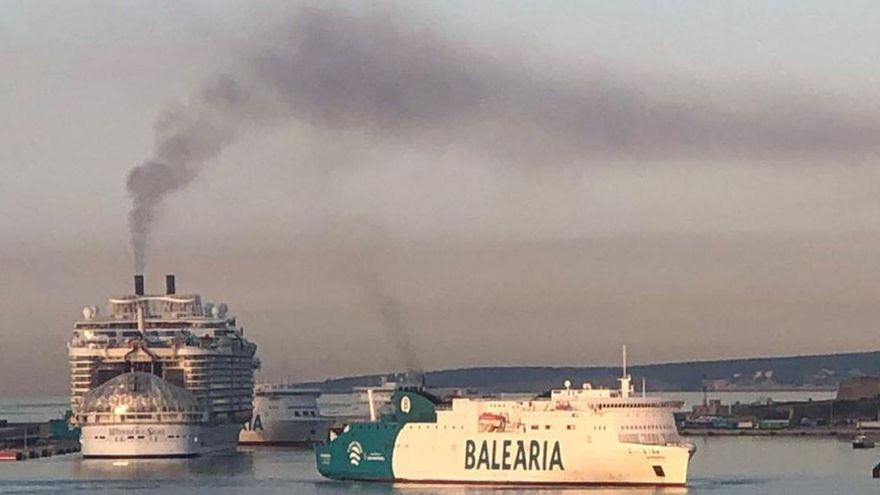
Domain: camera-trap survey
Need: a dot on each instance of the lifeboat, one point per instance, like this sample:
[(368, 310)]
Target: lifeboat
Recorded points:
[(490, 422)]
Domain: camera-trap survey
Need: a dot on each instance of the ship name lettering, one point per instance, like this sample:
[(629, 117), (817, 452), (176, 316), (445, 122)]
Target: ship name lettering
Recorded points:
[(510, 455)]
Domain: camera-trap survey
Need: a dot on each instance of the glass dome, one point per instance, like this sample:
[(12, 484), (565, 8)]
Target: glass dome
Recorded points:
[(138, 392)]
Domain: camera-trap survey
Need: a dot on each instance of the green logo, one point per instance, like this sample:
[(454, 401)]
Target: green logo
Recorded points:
[(355, 453)]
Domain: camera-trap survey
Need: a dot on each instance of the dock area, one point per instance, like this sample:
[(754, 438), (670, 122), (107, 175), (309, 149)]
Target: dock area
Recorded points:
[(852, 413), (24, 441), (844, 432)]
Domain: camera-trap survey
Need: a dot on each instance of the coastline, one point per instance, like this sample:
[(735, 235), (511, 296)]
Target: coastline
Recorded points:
[(846, 432)]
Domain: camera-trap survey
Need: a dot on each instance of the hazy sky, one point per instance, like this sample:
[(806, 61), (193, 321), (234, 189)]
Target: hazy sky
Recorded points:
[(448, 184)]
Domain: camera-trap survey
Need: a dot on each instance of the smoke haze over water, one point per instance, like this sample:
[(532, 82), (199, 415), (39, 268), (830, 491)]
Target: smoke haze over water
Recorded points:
[(383, 72), (551, 179)]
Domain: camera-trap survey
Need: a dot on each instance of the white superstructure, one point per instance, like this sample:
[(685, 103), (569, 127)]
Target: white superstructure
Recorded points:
[(160, 375), (374, 401), (285, 415)]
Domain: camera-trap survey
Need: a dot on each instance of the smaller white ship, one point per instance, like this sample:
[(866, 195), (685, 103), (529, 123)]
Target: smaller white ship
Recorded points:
[(285, 415)]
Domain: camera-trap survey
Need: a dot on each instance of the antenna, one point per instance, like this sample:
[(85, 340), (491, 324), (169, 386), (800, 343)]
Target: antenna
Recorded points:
[(625, 380), (372, 405)]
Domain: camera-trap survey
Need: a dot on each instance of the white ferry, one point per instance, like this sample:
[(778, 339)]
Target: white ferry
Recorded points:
[(583, 436), (285, 415), (160, 376)]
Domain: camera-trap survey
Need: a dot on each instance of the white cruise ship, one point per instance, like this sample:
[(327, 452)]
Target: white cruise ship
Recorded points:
[(285, 415), (160, 376), (575, 436)]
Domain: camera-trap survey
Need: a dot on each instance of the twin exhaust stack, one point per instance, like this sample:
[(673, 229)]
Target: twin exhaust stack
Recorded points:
[(170, 289), (170, 286)]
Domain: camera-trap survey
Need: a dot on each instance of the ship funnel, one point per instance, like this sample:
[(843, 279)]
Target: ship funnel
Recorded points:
[(138, 285), (169, 284)]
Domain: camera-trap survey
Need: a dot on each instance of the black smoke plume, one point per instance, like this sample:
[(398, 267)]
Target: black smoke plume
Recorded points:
[(385, 73)]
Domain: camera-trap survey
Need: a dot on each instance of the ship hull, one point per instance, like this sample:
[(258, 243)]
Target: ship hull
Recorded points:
[(428, 455), (507, 459), (157, 440), (295, 432)]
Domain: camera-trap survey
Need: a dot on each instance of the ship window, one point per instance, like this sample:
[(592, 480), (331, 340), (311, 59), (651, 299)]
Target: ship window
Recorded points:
[(658, 470), (569, 427), (296, 413), (535, 427), (546, 427)]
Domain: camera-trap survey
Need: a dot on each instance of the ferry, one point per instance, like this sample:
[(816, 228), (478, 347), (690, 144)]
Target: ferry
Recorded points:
[(160, 376), (285, 415), (572, 437)]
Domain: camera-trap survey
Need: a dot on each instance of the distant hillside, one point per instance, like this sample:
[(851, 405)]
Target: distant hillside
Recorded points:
[(823, 371)]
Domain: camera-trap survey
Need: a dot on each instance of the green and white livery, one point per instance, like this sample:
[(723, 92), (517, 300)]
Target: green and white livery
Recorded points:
[(580, 436)]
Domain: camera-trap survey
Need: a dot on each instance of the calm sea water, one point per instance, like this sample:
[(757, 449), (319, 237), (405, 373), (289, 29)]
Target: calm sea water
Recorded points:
[(772, 466), (721, 466)]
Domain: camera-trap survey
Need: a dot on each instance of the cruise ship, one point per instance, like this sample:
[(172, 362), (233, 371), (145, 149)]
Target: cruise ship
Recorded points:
[(160, 376), (285, 415), (573, 436)]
